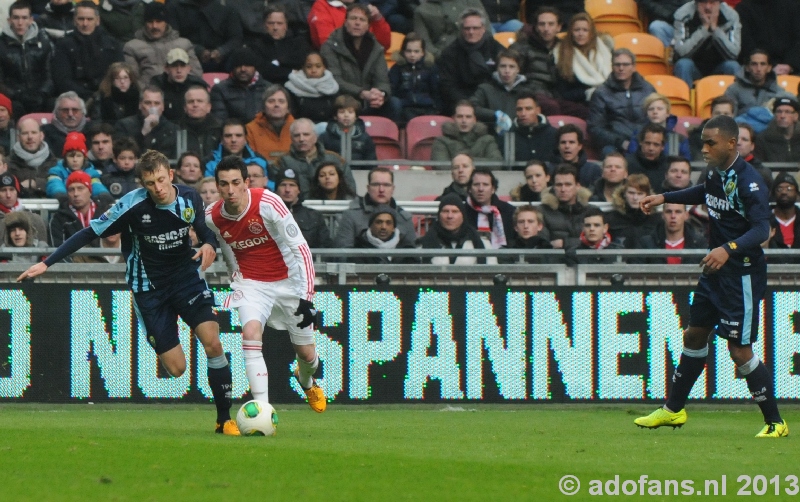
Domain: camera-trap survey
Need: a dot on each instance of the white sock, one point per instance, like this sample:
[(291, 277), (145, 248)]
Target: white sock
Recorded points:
[(256, 370), (307, 370)]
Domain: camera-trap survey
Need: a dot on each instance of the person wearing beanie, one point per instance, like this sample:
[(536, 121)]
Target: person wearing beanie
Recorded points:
[(780, 141), (240, 95), (382, 233), (451, 231), (147, 50), (77, 208), (82, 57), (785, 222), (10, 203), (75, 160), (6, 122), (25, 52), (214, 28), (311, 222)]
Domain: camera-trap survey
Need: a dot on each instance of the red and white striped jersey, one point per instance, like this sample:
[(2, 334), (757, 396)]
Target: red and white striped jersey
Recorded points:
[(263, 243)]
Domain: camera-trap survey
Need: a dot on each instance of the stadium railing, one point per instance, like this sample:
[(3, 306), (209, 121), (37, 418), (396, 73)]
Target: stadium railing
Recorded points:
[(517, 274)]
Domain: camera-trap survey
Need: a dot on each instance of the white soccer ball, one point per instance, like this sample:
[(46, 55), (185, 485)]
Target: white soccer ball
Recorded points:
[(257, 418)]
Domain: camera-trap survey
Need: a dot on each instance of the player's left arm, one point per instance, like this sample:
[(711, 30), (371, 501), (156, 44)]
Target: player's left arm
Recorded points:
[(754, 195), (208, 241)]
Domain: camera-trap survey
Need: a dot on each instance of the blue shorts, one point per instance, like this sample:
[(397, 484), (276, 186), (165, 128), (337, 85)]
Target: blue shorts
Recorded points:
[(158, 310), (731, 303)]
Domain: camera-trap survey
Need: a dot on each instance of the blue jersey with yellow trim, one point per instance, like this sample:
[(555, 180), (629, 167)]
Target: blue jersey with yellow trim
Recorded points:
[(155, 238)]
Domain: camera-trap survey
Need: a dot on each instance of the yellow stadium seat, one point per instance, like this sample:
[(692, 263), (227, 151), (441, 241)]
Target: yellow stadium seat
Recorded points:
[(790, 83), (614, 16), (506, 38), (650, 54), (394, 46), (679, 94), (708, 88)]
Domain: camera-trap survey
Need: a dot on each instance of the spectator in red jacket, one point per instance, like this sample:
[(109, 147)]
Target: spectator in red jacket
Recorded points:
[(329, 15)]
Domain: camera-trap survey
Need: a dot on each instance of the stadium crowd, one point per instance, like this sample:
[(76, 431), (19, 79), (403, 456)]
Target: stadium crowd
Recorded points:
[(294, 87)]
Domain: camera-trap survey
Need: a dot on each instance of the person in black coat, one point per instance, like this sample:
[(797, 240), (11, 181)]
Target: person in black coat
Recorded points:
[(118, 95), (649, 159), (279, 50), (311, 222), (149, 128), (382, 233), (534, 137), (214, 28), (82, 57), (529, 225), (57, 18), (25, 54), (594, 235), (347, 122), (468, 62), (486, 212), (626, 222), (672, 232), (174, 82)]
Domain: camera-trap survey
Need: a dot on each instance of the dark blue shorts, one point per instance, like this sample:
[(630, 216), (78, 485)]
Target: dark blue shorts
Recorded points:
[(731, 303), (158, 310)]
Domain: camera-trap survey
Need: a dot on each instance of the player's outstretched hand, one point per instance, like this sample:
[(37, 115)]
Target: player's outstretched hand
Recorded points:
[(207, 255), (309, 313), (651, 201), (33, 271)]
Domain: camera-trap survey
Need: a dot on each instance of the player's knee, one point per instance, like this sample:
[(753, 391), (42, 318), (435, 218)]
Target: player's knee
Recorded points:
[(213, 347), (695, 338), (174, 368)]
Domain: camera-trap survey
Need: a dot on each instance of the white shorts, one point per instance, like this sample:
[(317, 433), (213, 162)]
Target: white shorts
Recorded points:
[(272, 304)]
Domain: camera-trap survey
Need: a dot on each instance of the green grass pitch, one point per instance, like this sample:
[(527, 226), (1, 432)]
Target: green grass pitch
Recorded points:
[(404, 452)]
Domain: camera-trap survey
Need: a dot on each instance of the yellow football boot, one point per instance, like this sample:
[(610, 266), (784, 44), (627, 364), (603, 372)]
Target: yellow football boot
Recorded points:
[(661, 418), (774, 431), (229, 428), (315, 395)]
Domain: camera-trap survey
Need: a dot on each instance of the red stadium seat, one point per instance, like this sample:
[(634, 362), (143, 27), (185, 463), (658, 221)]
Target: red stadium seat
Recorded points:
[(41, 118), (560, 120), (386, 136), (214, 78), (685, 122), (425, 198), (420, 133)]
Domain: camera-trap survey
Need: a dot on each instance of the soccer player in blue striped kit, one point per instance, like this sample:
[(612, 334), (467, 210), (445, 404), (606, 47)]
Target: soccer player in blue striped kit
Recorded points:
[(162, 271), (733, 281)]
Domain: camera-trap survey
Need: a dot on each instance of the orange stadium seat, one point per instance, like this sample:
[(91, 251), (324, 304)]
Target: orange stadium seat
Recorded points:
[(706, 89), (650, 54), (790, 83), (41, 118), (506, 38), (679, 94), (396, 44), (685, 122), (420, 133), (614, 16), (213, 79), (386, 136)]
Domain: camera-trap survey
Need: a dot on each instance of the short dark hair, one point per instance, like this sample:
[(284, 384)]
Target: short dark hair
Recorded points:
[(412, 37), (527, 95), (745, 125), (674, 159), (485, 172), (567, 129), (464, 102), (723, 100), (752, 53), (94, 128), (357, 6), (20, 5), (125, 144), (150, 88), (274, 8), (566, 169), (189, 153), (726, 125), (652, 128), (545, 10), (510, 54), (150, 161), (344, 102), (594, 211), (231, 163), (87, 4), (377, 170), (233, 121)]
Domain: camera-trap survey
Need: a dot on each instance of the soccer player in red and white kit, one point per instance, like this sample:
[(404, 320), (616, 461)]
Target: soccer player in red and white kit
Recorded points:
[(272, 275)]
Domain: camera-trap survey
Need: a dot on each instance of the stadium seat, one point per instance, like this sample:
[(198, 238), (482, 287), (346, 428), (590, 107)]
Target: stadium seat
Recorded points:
[(506, 38), (650, 54), (679, 94), (41, 118), (706, 89), (420, 133), (559, 120), (790, 83), (685, 122), (213, 79), (395, 45), (614, 16), (425, 198), (386, 136)]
